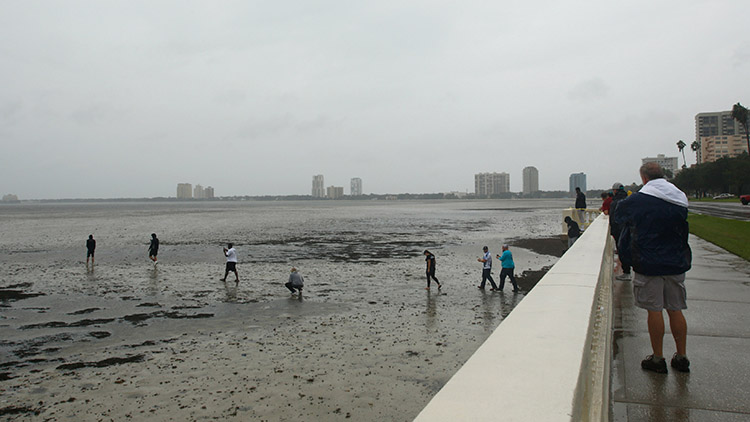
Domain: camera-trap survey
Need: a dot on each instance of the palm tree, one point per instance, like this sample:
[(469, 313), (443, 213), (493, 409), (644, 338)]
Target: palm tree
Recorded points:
[(696, 146), (740, 114), (681, 146)]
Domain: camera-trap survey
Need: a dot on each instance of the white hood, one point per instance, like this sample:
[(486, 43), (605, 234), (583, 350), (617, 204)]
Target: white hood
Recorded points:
[(662, 189)]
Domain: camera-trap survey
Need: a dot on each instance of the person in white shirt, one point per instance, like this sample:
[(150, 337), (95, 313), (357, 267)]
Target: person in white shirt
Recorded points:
[(231, 255)]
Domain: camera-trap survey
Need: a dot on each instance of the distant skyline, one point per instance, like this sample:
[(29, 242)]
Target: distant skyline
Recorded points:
[(129, 98)]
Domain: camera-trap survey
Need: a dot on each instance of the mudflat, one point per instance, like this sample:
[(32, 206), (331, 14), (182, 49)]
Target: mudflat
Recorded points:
[(124, 339)]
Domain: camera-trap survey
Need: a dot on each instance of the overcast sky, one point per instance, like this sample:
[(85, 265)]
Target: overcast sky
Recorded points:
[(105, 99)]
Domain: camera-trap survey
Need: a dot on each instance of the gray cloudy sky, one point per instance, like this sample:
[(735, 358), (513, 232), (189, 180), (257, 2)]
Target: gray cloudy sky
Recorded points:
[(105, 99)]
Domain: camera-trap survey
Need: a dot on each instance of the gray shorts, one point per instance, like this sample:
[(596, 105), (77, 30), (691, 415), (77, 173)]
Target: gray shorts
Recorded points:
[(657, 292)]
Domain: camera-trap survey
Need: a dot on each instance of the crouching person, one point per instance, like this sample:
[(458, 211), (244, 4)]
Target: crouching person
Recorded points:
[(295, 282)]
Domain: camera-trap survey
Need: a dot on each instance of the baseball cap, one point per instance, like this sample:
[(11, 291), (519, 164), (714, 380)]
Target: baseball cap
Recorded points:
[(617, 186)]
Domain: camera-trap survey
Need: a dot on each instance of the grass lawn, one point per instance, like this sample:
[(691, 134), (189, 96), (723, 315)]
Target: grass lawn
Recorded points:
[(732, 235)]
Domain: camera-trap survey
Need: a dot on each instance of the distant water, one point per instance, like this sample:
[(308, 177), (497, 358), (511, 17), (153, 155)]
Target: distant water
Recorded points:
[(345, 231)]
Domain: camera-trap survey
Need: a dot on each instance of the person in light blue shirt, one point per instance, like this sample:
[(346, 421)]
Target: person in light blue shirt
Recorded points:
[(506, 260), (486, 259)]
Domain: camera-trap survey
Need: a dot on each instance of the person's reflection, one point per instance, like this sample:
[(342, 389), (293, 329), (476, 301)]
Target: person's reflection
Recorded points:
[(430, 312), (230, 292), (489, 302)]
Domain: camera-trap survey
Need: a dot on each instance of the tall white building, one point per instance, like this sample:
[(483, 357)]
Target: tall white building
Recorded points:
[(318, 188), (198, 192), (355, 188), (577, 180), (666, 163), (530, 180), (184, 190), (209, 192), (488, 184)]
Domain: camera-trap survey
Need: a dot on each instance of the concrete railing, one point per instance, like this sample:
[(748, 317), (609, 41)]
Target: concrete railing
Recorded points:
[(584, 217), (549, 360)]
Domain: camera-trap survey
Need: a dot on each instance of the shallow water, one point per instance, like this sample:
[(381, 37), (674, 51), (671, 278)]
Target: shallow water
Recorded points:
[(188, 346)]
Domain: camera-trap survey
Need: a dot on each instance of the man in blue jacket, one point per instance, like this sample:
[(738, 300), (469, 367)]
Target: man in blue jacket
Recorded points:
[(654, 240)]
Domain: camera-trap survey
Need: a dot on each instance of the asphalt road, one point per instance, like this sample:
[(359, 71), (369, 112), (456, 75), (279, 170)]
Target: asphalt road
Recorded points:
[(732, 210)]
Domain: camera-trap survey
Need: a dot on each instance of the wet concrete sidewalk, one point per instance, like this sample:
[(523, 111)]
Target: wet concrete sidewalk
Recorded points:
[(718, 345)]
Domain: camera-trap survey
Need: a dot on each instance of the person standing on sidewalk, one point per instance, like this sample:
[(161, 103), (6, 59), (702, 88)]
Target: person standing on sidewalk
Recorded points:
[(614, 228), (654, 240), (486, 259), (508, 266), (430, 261)]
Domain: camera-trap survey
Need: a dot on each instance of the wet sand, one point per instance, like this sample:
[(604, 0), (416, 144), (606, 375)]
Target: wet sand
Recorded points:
[(365, 340)]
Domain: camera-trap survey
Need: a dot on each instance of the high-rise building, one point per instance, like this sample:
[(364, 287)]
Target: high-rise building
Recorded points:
[(334, 192), (198, 192), (356, 187), (184, 190), (488, 184), (208, 192), (666, 163), (712, 124), (318, 189), (577, 180), (715, 147), (530, 180)]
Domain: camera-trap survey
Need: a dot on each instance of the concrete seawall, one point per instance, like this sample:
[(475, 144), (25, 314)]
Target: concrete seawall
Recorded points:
[(550, 359)]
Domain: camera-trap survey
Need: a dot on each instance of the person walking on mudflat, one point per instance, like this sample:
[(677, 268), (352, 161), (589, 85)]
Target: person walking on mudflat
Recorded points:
[(430, 261), (231, 255), (654, 240), (153, 249), (90, 247), (508, 266), (486, 261)]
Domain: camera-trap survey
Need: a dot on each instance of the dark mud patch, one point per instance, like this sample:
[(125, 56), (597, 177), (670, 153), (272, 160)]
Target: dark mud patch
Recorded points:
[(100, 334), (61, 324), (23, 285), (10, 294), (17, 410), (141, 318), (101, 363), (148, 305), (84, 311), (553, 246), (529, 278), (5, 376)]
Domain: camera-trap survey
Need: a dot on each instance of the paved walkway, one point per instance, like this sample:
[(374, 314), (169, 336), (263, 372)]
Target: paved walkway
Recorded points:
[(718, 345)]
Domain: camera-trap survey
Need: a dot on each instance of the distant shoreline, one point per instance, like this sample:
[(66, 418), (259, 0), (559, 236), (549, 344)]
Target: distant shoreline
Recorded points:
[(372, 197)]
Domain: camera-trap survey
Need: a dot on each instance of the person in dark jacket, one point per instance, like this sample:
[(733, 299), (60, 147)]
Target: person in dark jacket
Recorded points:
[(581, 206), (90, 248), (574, 232), (430, 269), (654, 240), (614, 228), (153, 249)]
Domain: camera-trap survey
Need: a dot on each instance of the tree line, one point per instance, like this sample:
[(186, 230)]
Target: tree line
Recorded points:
[(730, 175)]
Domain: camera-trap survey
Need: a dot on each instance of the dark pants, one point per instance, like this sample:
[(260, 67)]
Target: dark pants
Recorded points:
[(431, 275), (291, 288), (625, 267), (487, 275), (509, 273)]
